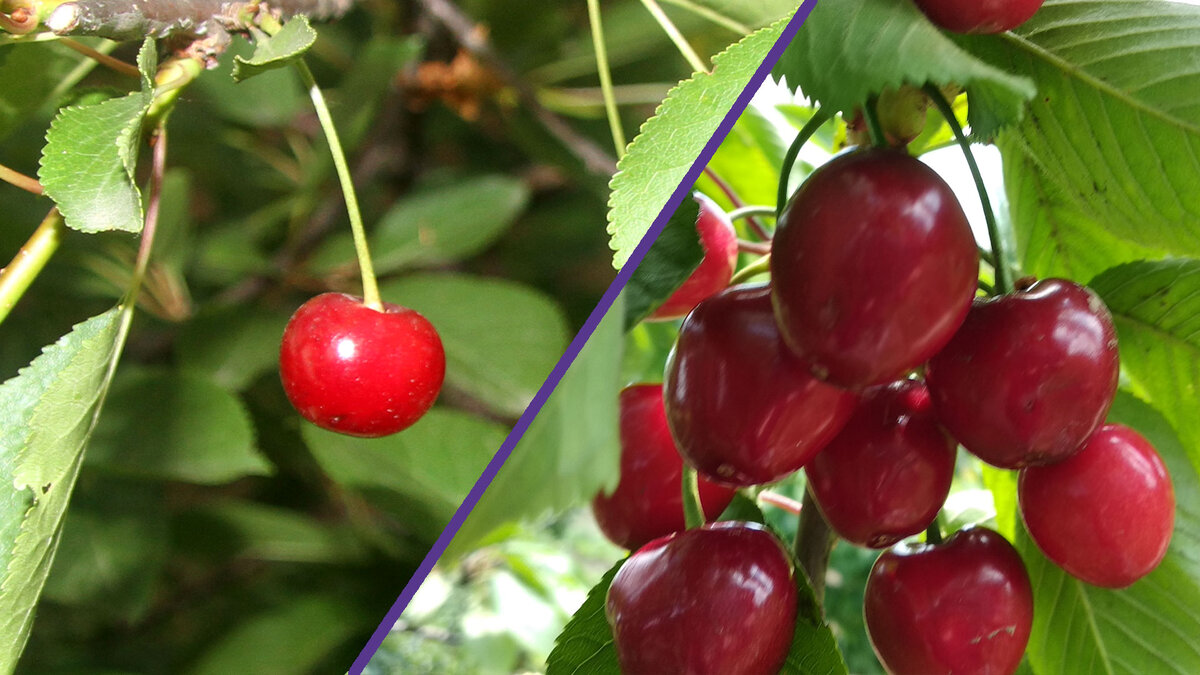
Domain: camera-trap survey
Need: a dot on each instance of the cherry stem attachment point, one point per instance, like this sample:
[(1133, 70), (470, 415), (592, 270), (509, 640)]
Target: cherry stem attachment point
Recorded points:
[(819, 118), (693, 512), (781, 502), (29, 261), (605, 72), (1004, 278), (370, 286), (874, 128)]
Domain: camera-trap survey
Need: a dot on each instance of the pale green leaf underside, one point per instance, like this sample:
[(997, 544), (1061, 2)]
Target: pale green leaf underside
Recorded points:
[(279, 50), (668, 144)]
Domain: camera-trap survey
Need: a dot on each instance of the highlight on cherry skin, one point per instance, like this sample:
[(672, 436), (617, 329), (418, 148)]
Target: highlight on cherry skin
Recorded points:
[(979, 16), (717, 599), (348, 368), (1105, 514), (648, 502), (719, 241)]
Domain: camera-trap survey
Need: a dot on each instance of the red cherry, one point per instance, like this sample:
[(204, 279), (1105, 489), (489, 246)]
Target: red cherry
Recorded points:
[(874, 267), (887, 474), (719, 241), (716, 599), (979, 16), (1105, 514), (352, 369), (1029, 376), (648, 501), (742, 409), (965, 606)]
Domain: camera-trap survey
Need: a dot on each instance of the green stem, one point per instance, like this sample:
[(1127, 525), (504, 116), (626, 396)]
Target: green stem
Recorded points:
[(755, 268), (606, 85), (29, 261), (18, 179), (1004, 279), (820, 117), (712, 15), (933, 533), (874, 128), (751, 211), (370, 286), (693, 512), (672, 32)]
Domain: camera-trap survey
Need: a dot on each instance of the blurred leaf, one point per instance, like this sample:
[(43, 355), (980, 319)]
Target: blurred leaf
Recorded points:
[(646, 348), (90, 156), (260, 532), (46, 416), (270, 99), (669, 142), (753, 13), (750, 158), (29, 75), (277, 51), (174, 426), (356, 102), (585, 647), (501, 338), (669, 262), (883, 44), (232, 345), (434, 226)]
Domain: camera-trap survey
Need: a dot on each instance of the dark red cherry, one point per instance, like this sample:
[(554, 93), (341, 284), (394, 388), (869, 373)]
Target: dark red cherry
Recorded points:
[(1105, 514), (965, 606), (979, 16), (352, 369), (873, 267), (647, 502), (1029, 376), (887, 474), (719, 241), (716, 600), (742, 409)]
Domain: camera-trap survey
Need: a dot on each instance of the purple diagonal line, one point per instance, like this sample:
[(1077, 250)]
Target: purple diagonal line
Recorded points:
[(581, 338)]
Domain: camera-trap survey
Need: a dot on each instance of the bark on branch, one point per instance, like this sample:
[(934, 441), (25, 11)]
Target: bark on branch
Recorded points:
[(135, 19)]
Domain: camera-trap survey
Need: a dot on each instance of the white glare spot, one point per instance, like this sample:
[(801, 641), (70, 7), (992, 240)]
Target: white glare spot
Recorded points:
[(346, 349)]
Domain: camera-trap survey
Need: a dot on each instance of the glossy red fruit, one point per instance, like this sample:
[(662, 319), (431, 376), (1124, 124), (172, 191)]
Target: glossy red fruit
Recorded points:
[(719, 241), (1029, 376), (716, 600), (1105, 514), (887, 474), (742, 409), (873, 266), (965, 606), (648, 501), (979, 16), (351, 369)]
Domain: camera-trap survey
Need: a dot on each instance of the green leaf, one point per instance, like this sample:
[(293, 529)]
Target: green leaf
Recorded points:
[(233, 345), (174, 426), (1115, 127), (259, 532), (434, 226), (277, 51), (570, 450), (501, 338), (585, 646), (883, 44), (1156, 308), (271, 99), (46, 415), (29, 76), (88, 163), (668, 144), (669, 262)]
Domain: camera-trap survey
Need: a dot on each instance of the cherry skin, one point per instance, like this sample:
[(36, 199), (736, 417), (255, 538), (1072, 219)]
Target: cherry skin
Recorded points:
[(741, 408), (648, 501), (348, 368), (874, 267), (1029, 376), (716, 600), (965, 606), (887, 474), (1105, 514), (719, 241), (979, 16)]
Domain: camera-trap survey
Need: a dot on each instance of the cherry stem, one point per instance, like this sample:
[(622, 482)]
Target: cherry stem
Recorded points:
[(18, 179), (672, 32), (986, 287), (605, 72), (819, 118), (759, 230), (755, 268), (814, 543), (747, 212), (754, 247), (693, 512), (874, 128), (933, 533), (370, 286), (713, 16), (158, 166), (29, 261), (781, 502), (1004, 279)]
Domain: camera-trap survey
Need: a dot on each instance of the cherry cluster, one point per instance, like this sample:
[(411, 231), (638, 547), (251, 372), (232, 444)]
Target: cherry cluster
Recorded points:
[(866, 361)]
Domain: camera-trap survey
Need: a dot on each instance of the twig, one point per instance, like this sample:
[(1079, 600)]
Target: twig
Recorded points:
[(18, 179), (110, 62)]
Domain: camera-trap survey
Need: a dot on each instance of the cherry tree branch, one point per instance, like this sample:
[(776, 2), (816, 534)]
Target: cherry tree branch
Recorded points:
[(135, 19)]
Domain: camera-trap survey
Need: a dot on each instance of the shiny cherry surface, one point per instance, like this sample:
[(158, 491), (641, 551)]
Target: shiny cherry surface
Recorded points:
[(873, 267), (887, 474), (742, 409), (1029, 376), (979, 16), (965, 606), (1105, 514), (648, 500), (719, 241), (348, 368), (716, 600)]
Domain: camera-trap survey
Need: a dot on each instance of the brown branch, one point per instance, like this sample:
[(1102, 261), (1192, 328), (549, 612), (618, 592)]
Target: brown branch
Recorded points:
[(134, 19)]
